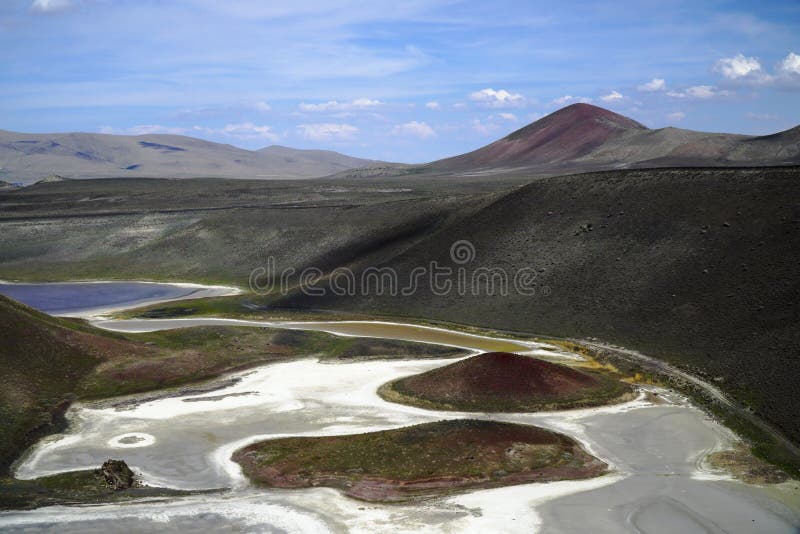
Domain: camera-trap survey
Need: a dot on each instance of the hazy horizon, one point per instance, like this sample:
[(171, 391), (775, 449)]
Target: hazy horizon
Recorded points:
[(409, 82)]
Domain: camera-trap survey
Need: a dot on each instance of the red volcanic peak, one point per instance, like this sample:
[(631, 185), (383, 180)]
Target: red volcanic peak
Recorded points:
[(502, 374), (562, 136)]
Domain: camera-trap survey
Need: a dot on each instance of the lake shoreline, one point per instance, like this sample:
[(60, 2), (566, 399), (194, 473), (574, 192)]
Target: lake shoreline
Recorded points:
[(307, 398)]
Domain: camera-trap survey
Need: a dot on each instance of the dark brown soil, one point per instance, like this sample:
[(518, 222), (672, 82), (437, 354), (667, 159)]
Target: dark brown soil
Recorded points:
[(501, 381)]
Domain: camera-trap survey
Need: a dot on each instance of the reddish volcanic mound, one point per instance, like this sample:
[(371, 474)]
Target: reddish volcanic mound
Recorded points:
[(569, 133), (419, 460), (501, 381)]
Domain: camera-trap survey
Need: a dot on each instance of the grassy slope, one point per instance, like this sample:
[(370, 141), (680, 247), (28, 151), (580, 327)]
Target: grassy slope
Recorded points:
[(42, 362), (46, 362), (213, 230)]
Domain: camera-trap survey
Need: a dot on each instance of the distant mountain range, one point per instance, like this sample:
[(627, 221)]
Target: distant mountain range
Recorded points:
[(577, 138), (27, 158), (586, 138), (582, 137)]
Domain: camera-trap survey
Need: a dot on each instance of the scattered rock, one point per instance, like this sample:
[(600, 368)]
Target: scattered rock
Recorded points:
[(117, 474), (741, 463)]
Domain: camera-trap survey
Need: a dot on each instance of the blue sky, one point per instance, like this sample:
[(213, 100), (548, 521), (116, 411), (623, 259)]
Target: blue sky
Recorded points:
[(402, 81)]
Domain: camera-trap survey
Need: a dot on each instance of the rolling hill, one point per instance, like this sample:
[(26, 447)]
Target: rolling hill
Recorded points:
[(584, 138), (697, 267), (32, 397), (577, 138), (28, 158), (561, 137)]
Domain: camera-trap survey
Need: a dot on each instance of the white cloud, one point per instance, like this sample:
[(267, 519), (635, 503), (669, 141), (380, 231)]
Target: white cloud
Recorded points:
[(249, 131), (656, 84), (494, 123), (415, 129), (497, 99), (699, 92), (50, 6), (483, 128), (790, 64), (242, 108), (432, 105), (738, 67), (677, 116), (508, 117), (327, 131), (334, 105), (569, 99), (143, 129), (244, 131), (612, 97), (748, 70)]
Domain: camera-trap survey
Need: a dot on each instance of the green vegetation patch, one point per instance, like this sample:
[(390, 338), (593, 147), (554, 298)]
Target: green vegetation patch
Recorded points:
[(419, 460), (171, 358), (47, 362), (75, 487)]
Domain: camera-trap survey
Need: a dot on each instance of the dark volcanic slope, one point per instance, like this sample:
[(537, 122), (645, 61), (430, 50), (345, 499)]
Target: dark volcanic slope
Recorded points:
[(697, 267), (215, 229), (501, 381), (582, 137), (29, 157)]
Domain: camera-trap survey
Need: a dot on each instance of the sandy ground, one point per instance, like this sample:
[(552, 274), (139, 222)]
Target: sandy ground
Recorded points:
[(378, 329), (657, 484)]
